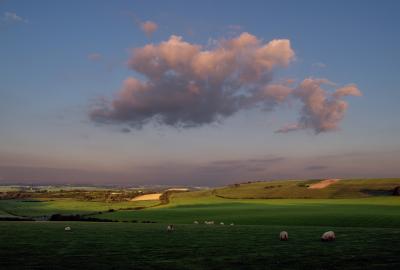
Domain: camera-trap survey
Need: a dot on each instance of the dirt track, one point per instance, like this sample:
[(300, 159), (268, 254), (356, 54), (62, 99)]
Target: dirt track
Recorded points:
[(323, 184), (148, 197)]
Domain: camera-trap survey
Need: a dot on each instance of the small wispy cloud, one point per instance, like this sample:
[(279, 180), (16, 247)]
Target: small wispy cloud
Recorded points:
[(287, 128), (148, 27), (319, 65), (256, 164), (94, 56), (125, 130), (234, 29), (315, 167), (11, 17)]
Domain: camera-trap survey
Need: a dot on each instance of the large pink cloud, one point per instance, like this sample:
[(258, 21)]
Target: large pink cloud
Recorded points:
[(188, 85)]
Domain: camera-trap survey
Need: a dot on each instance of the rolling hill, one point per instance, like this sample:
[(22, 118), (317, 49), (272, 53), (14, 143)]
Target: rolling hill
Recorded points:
[(355, 188)]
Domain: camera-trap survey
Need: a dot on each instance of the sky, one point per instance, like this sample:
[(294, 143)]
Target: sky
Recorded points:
[(204, 93)]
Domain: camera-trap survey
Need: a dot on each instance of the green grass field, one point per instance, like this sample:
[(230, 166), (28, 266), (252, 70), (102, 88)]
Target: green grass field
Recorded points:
[(367, 225), (4, 214), (185, 208), (33, 208), (357, 188), (374, 212), (45, 245)]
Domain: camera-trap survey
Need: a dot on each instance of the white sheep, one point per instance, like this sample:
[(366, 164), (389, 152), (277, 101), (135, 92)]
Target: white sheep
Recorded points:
[(170, 228), (68, 228), (284, 236), (221, 223), (232, 224), (328, 236), (196, 222)]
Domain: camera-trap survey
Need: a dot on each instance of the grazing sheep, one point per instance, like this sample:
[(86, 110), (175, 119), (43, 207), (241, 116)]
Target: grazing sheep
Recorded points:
[(196, 222), (68, 228), (170, 228), (209, 222), (328, 236), (232, 224), (284, 236), (221, 223)]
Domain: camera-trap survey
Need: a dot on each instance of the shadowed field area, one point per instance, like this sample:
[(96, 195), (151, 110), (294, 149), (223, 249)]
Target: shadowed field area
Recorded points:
[(41, 245)]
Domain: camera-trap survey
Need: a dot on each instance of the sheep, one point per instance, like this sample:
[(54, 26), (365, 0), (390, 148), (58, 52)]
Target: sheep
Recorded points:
[(209, 222), (170, 228), (196, 222), (328, 236), (232, 224), (68, 228), (284, 236), (221, 223)]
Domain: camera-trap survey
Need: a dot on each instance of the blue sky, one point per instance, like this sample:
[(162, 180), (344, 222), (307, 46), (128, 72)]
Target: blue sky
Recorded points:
[(48, 85)]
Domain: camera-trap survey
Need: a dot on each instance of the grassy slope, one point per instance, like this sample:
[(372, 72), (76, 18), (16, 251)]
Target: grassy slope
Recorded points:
[(383, 211), (45, 245), (298, 189), (63, 206), (204, 205), (5, 214)]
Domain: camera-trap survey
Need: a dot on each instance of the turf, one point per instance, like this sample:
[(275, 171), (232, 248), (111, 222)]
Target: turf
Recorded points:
[(32, 208), (45, 245), (5, 214), (369, 212), (365, 218), (356, 188)]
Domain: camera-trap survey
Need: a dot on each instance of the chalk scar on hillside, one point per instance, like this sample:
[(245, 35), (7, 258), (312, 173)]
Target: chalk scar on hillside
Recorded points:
[(323, 184), (148, 197)]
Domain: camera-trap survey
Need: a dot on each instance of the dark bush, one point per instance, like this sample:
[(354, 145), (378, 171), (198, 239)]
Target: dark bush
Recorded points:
[(15, 219), (147, 221), (269, 187), (58, 217)]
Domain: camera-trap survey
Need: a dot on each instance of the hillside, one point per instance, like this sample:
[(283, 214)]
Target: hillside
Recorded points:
[(355, 188), (365, 203), (254, 203)]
